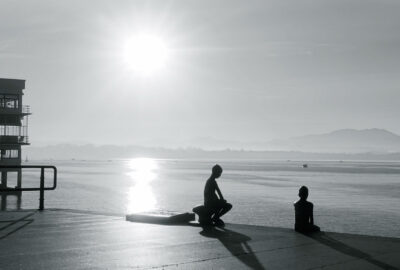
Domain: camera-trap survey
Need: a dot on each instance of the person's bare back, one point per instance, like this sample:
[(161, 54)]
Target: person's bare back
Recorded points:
[(304, 216)]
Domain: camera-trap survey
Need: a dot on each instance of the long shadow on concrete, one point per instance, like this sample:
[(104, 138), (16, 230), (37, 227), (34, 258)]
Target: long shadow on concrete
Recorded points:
[(327, 240), (12, 226), (236, 243)]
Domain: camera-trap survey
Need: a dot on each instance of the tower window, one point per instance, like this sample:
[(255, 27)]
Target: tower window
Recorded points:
[(9, 101), (9, 153)]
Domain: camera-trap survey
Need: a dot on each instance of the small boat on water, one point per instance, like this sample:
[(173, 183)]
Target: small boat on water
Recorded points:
[(305, 165)]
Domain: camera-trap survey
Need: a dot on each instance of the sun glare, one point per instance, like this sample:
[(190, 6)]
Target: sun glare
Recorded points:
[(140, 195), (145, 54)]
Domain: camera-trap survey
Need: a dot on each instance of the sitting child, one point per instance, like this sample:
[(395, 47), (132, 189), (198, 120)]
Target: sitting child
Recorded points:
[(216, 206), (304, 213)]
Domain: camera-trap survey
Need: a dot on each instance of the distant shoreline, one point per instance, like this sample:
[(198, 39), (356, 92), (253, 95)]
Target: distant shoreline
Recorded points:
[(110, 152)]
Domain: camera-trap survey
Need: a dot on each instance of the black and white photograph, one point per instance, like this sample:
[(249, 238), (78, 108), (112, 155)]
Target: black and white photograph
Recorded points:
[(199, 134)]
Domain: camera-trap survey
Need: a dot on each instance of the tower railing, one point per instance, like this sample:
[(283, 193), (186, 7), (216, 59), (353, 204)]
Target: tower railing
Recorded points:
[(26, 109), (14, 139), (41, 187)]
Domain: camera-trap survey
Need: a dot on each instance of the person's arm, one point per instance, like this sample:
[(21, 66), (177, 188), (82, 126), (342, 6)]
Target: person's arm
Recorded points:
[(312, 215), (219, 192)]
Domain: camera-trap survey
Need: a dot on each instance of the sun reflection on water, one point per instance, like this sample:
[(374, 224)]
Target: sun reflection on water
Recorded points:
[(140, 196)]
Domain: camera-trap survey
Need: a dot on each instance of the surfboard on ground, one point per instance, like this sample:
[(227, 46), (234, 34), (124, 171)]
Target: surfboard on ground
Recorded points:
[(161, 217)]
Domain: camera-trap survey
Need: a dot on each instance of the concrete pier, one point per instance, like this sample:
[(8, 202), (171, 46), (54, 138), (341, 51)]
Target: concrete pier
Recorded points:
[(70, 239)]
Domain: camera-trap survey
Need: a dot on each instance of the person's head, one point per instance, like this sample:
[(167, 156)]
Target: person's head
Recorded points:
[(216, 171), (303, 193)]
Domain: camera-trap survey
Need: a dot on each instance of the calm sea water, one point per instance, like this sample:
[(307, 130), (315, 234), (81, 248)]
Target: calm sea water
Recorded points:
[(354, 197)]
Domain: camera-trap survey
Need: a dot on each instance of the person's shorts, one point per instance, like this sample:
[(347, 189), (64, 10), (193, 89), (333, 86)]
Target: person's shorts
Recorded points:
[(217, 204)]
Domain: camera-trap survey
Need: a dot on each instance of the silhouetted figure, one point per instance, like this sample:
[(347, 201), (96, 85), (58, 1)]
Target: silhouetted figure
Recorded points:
[(215, 206), (304, 213)]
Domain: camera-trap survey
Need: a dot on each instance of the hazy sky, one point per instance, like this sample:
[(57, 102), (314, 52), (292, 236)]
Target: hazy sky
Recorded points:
[(235, 70)]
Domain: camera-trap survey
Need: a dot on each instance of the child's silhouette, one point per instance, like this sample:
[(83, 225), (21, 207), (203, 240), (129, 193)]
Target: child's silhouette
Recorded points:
[(215, 205), (304, 213)]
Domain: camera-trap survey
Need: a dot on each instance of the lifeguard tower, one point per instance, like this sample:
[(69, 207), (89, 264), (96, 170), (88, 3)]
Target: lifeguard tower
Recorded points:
[(13, 128)]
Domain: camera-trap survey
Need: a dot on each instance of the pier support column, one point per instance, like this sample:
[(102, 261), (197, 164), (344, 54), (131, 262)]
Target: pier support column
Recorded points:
[(19, 178), (3, 179)]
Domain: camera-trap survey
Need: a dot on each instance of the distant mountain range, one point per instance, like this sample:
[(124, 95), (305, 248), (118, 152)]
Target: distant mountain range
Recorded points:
[(109, 152), (342, 141), (345, 144), (339, 141)]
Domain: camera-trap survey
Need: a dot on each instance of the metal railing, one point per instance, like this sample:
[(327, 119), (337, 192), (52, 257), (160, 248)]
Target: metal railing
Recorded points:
[(41, 189), (26, 109), (14, 139)]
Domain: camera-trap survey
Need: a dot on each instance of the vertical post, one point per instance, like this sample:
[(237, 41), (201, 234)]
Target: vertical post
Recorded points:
[(41, 199), (19, 178), (19, 175), (3, 179), (3, 201)]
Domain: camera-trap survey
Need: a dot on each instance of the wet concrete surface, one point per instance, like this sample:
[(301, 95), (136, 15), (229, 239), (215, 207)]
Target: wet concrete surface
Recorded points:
[(71, 239)]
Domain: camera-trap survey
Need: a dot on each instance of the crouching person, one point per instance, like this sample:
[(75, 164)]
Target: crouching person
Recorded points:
[(214, 202)]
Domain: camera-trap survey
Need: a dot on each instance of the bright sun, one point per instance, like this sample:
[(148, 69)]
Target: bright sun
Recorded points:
[(145, 53)]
